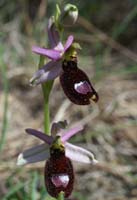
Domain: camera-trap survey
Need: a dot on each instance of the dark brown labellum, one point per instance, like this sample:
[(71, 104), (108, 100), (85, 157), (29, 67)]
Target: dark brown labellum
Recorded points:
[(76, 84), (59, 175)]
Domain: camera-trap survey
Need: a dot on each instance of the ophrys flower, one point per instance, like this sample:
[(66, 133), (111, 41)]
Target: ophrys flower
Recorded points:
[(59, 175), (63, 64)]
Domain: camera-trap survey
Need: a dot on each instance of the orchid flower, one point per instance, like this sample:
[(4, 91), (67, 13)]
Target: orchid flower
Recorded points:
[(63, 64), (59, 175), (41, 152)]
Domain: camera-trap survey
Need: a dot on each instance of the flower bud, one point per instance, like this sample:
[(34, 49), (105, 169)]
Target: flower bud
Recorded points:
[(69, 15)]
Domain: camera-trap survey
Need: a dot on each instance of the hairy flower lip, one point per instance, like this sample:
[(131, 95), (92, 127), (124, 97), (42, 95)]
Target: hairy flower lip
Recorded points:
[(76, 84)]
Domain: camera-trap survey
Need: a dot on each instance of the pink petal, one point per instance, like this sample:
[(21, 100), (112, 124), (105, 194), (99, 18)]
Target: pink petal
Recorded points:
[(41, 71), (52, 74), (35, 154), (82, 87), (50, 53), (59, 47), (50, 71), (68, 43), (58, 126), (53, 34), (79, 154), (68, 134), (40, 135)]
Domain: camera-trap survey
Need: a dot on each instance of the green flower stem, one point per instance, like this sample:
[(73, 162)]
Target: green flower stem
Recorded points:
[(61, 196), (46, 88)]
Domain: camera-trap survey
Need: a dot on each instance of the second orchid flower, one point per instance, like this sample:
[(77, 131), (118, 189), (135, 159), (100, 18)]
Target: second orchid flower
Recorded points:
[(57, 151)]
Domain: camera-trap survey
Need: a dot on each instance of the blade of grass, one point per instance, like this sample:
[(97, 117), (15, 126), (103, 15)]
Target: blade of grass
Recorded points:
[(122, 27), (5, 107), (13, 190), (33, 186), (125, 23)]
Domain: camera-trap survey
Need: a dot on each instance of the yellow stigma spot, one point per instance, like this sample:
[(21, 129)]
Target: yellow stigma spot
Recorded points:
[(57, 144), (71, 53), (94, 98)]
